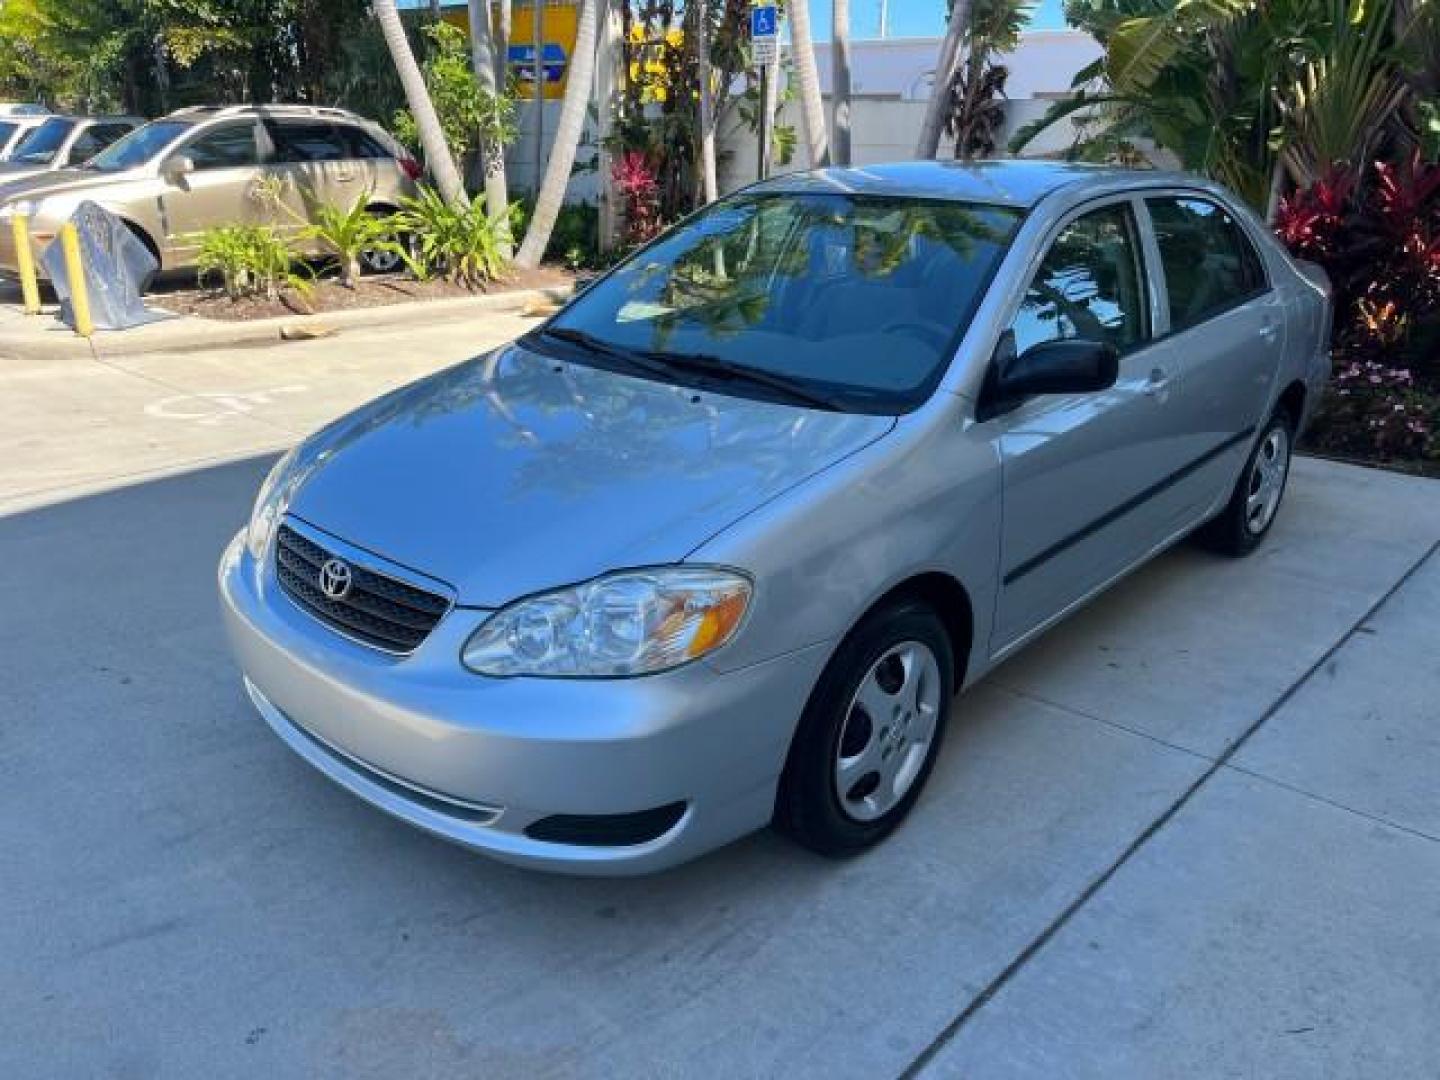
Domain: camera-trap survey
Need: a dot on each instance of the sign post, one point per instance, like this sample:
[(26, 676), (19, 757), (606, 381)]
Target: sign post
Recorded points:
[(764, 48)]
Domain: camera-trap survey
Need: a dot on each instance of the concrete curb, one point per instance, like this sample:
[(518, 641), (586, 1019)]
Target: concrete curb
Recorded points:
[(44, 339)]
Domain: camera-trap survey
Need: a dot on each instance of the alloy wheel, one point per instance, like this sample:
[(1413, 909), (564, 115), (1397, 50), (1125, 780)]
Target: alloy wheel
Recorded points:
[(887, 731), (1267, 480)]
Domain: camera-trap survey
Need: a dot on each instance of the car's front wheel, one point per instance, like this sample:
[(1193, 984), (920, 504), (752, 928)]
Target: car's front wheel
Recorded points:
[(870, 733), (1247, 517)]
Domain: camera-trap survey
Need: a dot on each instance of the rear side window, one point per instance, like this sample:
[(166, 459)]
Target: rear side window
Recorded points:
[(298, 141), (7, 132), (1088, 287), (224, 148), (359, 143), (1210, 264)]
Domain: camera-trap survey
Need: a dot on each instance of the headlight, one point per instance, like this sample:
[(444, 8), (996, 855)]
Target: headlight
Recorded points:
[(635, 622), (271, 503)]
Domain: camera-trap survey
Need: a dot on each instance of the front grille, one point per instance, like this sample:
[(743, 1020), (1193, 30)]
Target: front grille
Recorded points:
[(378, 610)]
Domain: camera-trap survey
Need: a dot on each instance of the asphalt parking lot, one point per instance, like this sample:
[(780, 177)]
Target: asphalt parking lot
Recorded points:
[(1195, 831)]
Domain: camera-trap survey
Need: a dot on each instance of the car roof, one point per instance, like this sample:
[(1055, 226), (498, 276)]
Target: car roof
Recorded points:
[(1016, 183)]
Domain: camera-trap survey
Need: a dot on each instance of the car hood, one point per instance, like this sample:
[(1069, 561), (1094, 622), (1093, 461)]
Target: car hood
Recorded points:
[(513, 473), (34, 182)]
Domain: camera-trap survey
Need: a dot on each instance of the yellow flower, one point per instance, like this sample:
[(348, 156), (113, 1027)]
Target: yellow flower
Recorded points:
[(675, 38), (634, 71), (637, 32), (660, 93)]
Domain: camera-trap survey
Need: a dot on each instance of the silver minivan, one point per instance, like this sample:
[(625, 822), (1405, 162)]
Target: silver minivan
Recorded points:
[(717, 544)]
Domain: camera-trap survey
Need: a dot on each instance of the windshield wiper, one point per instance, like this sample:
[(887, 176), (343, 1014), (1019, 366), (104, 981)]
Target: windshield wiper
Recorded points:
[(720, 368), (657, 362), (590, 343)]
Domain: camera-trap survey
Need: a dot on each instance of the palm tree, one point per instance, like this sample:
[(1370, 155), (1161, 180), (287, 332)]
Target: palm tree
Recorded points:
[(812, 108), (567, 138), (502, 46), (492, 150), (710, 186), (939, 106), (840, 80), (417, 96)]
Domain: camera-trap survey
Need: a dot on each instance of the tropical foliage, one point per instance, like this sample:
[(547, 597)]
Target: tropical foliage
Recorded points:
[(347, 233), (1377, 235), (1260, 94), (250, 260), (976, 111), (460, 243)]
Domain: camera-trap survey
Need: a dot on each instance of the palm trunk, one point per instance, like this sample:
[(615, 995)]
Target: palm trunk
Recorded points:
[(417, 95), (840, 80), (502, 47), (567, 138), (492, 151), (929, 144), (812, 108), (709, 184)]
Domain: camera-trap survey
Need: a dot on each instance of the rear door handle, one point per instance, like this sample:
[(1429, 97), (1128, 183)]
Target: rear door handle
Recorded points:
[(1270, 331), (1158, 382)]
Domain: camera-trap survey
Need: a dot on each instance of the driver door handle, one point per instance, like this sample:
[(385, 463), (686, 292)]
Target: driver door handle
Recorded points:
[(1157, 383)]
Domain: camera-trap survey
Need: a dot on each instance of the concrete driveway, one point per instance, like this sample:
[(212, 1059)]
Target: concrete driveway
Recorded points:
[(1195, 831)]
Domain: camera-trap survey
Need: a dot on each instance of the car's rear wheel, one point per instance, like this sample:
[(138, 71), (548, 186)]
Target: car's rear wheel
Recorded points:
[(1247, 517), (870, 733), (382, 260)]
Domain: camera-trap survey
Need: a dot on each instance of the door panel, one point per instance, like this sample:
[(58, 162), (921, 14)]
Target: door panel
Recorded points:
[(1227, 335), (221, 191), (1085, 476)]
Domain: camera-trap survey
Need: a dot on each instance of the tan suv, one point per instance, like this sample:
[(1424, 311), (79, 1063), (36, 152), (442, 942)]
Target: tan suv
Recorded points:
[(205, 166)]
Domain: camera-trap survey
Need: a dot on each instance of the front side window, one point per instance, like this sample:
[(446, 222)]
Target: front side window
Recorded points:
[(1209, 262), (307, 141), (858, 297), (224, 148), (139, 146), (44, 142), (1088, 287)]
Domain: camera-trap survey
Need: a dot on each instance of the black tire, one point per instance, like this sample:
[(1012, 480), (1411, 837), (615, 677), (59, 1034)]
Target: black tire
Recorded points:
[(1236, 531), (383, 262), (810, 807)]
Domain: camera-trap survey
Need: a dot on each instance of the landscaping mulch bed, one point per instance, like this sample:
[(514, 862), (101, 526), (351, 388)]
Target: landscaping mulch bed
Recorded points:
[(328, 295)]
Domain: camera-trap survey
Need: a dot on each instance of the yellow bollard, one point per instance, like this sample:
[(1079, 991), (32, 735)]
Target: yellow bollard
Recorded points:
[(25, 263), (75, 271)]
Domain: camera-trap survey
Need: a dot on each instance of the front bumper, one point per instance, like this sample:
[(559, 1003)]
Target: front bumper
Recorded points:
[(478, 760)]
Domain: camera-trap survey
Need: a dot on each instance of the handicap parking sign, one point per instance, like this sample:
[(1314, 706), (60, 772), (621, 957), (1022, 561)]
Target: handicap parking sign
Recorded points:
[(763, 22)]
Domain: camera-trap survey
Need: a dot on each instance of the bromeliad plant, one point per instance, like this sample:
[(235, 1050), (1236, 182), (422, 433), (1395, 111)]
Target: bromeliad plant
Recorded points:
[(251, 260), (462, 245), (350, 234)]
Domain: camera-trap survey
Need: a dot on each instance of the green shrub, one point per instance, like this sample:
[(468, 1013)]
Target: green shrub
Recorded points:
[(461, 245), (251, 260), (347, 234)]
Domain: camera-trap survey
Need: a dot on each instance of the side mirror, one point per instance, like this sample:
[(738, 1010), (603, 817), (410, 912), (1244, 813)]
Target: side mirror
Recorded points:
[(1058, 367), (177, 167)]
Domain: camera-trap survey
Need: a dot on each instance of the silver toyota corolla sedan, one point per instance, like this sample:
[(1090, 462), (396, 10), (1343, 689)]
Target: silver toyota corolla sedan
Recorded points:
[(716, 545)]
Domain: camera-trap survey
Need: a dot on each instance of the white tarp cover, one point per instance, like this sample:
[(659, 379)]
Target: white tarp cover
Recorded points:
[(118, 268)]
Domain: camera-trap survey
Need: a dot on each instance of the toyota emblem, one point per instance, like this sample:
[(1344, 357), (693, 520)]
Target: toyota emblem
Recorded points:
[(335, 578)]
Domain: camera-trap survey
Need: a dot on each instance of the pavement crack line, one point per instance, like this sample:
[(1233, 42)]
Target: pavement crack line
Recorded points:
[(1037, 943)]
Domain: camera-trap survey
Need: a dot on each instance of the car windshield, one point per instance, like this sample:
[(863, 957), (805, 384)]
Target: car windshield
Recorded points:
[(854, 300), (139, 146), (43, 143)]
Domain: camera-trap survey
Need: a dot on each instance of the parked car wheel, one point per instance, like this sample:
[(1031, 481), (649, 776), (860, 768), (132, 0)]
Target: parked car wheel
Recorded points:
[(379, 260), (870, 733), (1253, 504)]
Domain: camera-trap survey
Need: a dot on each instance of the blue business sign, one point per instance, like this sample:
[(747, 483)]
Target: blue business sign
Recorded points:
[(552, 62)]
